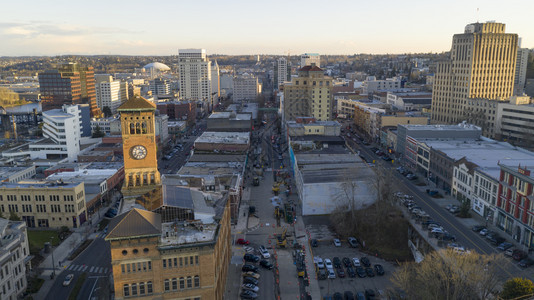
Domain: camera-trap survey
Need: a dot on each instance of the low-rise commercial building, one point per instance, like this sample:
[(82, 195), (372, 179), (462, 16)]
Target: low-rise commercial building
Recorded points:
[(235, 142), (229, 121), (45, 204)]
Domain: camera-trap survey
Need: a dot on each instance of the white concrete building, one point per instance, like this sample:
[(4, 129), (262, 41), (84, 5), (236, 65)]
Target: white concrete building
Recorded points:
[(215, 81), (110, 126), (14, 254), (227, 84), (515, 121), (195, 74), (159, 87), (246, 88), (409, 101), (281, 72), (62, 132), (307, 59), (372, 85), (108, 92)]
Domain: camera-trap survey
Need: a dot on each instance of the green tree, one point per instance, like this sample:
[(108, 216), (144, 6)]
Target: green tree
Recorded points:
[(13, 216), (107, 111), (517, 287), (98, 133)]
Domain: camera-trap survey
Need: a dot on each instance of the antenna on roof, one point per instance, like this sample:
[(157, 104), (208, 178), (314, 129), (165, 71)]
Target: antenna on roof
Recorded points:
[(477, 14)]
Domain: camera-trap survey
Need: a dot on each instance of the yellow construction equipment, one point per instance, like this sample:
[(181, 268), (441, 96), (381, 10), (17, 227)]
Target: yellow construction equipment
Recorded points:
[(282, 240), (276, 188)]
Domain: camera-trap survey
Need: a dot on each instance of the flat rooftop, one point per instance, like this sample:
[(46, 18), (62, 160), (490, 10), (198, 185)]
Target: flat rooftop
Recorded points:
[(180, 233), (459, 127), (39, 184), (224, 137), (485, 153), (230, 115)]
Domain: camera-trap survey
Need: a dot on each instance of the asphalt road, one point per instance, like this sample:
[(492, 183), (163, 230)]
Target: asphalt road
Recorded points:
[(96, 262)]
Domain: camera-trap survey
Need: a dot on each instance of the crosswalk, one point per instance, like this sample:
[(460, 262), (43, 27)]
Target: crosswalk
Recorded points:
[(89, 269)]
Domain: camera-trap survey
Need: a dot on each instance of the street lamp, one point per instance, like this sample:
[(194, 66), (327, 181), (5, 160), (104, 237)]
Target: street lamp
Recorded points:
[(53, 263)]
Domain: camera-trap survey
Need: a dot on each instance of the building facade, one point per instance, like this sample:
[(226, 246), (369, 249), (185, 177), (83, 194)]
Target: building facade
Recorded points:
[(14, 252), (69, 84), (45, 204), (308, 59), (108, 93), (282, 72), (482, 64), (521, 71), (309, 95), (195, 74), (246, 88), (159, 87), (180, 110)]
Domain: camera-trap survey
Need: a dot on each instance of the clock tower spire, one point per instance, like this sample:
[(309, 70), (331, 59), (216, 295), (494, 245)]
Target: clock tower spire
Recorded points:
[(141, 173)]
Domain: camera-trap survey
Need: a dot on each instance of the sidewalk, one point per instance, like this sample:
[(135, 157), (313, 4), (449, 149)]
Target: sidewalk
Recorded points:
[(61, 253)]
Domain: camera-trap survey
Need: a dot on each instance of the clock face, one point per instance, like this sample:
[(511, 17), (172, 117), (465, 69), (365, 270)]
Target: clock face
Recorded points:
[(138, 152)]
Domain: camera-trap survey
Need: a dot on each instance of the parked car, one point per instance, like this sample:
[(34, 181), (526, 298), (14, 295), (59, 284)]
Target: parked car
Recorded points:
[(340, 272), (331, 274), (251, 274), (319, 262), (370, 294), (387, 158), (348, 295), (454, 209), (361, 272), (337, 262), (242, 242), (250, 287), (250, 280), (248, 294), (526, 262), (265, 264), (346, 262), (328, 264), (337, 243), (314, 243), (484, 232), (448, 237), (496, 239), (353, 242), (379, 269), (249, 268), (338, 296), (509, 252), (519, 255), (478, 228), (68, 279), (365, 261), (360, 296), (322, 274), (355, 262), (504, 246), (351, 272), (370, 272), (411, 176), (251, 258), (263, 251)]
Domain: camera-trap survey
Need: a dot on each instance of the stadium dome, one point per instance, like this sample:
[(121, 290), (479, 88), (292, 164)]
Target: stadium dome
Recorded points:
[(156, 66)]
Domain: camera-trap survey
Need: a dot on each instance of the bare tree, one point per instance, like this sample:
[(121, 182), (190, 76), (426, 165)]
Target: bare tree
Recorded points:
[(447, 274)]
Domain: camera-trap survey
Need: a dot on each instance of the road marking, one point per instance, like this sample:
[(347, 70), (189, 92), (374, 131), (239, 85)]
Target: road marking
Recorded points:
[(100, 270), (106, 270), (91, 270), (84, 268)]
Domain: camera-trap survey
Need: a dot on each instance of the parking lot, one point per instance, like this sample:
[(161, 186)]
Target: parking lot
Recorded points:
[(379, 284)]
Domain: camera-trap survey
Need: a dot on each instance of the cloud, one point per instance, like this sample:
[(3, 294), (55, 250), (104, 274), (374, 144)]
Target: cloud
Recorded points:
[(39, 28)]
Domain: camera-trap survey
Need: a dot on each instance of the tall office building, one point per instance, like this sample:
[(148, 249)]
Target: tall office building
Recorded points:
[(195, 74), (160, 87), (520, 71), (215, 80), (307, 59), (69, 84), (308, 95), (246, 88), (282, 72), (481, 65), (108, 92)]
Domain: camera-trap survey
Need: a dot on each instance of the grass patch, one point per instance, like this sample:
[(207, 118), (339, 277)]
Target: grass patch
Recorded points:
[(77, 287), (384, 232), (37, 238), (103, 224), (34, 285)]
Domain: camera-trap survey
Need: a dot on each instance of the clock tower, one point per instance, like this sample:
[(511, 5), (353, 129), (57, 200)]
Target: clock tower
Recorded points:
[(141, 173)]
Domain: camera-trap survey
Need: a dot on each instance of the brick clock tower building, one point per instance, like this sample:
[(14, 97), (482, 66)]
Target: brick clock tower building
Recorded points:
[(141, 173)]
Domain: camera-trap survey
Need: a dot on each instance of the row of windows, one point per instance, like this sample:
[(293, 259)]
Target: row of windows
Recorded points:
[(55, 208), (130, 290), (136, 267), (172, 284), (40, 198), (182, 261)]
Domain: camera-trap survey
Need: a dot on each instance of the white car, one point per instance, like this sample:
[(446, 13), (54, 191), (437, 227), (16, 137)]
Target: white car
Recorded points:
[(331, 274), (328, 264), (68, 279), (251, 287), (337, 243), (263, 251), (356, 262), (319, 262), (248, 249)]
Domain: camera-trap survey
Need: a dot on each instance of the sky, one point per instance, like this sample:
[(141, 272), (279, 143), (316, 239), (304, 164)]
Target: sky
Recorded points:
[(234, 27)]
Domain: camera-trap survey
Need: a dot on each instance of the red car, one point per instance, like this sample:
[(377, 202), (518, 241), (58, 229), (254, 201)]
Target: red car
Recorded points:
[(242, 242)]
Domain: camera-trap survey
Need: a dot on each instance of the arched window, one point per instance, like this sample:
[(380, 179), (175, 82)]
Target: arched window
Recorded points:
[(197, 281), (132, 128), (182, 283), (189, 282), (143, 128), (137, 128)]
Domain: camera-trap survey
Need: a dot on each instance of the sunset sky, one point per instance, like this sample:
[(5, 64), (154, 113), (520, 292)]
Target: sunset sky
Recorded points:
[(249, 27)]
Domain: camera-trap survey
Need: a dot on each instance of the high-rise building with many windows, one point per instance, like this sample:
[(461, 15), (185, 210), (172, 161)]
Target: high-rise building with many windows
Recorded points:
[(69, 84), (195, 74), (482, 64)]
